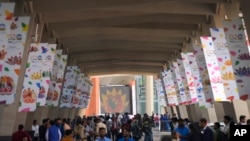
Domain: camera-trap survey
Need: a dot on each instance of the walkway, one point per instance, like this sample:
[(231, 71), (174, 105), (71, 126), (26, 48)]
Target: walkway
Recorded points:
[(157, 134)]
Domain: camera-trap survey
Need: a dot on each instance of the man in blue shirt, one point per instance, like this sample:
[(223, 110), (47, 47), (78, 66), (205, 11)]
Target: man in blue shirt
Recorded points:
[(102, 135), (126, 135), (182, 130)]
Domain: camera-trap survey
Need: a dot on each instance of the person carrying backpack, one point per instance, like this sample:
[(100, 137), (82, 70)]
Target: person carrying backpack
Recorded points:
[(147, 129), (136, 130)]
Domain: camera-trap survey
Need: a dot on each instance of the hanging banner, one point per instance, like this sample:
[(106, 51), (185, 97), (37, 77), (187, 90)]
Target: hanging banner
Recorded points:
[(225, 63), (16, 38), (198, 82), (165, 86), (213, 69), (48, 56), (175, 87), (6, 16), (171, 92), (185, 82), (80, 89), (76, 96), (239, 53), (53, 78), (69, 86), (33, 76), (201, 62), (59, 80), (189, 76), (160, 92), (181, 97)]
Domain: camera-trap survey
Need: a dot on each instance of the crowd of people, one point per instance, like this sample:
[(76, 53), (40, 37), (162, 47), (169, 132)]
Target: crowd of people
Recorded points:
[(115, 127), (118, 127), (185, 130)]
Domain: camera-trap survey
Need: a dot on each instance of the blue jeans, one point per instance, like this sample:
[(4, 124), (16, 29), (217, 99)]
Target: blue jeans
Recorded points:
[(148, 137)]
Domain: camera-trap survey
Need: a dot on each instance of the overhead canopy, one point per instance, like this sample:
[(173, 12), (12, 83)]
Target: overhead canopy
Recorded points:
[(125, 36)]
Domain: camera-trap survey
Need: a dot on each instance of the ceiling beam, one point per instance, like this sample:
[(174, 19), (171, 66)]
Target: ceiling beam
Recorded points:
[(168, 7), (58, 5), (146, 58), (125, 52), (119, 71), (121, 61), (112, 32), (122, 67), (94, 20), (128, 40)]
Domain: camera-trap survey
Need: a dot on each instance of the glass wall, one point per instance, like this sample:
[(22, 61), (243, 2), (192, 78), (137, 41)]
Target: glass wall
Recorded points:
[(141, 96)]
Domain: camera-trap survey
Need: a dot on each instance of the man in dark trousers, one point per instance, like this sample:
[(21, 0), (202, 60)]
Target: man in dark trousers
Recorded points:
[(206, 133), (42, 130)]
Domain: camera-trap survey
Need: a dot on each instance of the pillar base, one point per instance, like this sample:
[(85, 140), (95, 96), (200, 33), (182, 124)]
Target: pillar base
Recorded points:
[(182, 112)]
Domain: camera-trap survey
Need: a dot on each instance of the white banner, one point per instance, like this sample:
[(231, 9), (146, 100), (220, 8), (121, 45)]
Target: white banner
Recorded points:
[(213, 69), (239, 53), (225, 63)]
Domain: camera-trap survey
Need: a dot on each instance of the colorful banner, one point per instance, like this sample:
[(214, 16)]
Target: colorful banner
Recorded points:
[(48, 54), (32, 86), (80, 89), (198, 82), (225, 63), (165, 81), (53, 78), (181, 96), (6, 16), (13, 58), (61, 70), (115, 99), (188, 99), (190, 79), (213, 69), (174, 87), (201, 62), (170, 89), (160, 92), (76, 96), (59, 80), (237, 45), (69, 86)]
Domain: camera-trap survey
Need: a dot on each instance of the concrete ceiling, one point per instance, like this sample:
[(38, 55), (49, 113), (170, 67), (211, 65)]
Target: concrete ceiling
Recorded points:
[(125, 36)]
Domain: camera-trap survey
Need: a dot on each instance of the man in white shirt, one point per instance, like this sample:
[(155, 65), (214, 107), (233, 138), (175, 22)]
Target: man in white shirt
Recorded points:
[(35, 128), (225, 130)]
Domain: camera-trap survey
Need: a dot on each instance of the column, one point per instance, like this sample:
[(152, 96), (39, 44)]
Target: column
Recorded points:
[(149, 94), (65, 112), (194, 112), (168, 110), (94, 104), (225, 108), (219, 110), (209, 114), (8, 118), (246, 15), (182, 111), (72, 113), (244, 5), (132, 86), (232, 11), (81, 112), (173, 110)]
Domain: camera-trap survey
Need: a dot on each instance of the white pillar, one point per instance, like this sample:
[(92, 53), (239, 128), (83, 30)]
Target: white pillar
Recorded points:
[(149, 94)]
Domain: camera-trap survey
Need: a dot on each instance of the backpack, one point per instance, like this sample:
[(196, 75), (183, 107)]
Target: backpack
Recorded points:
[(136, 131)]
